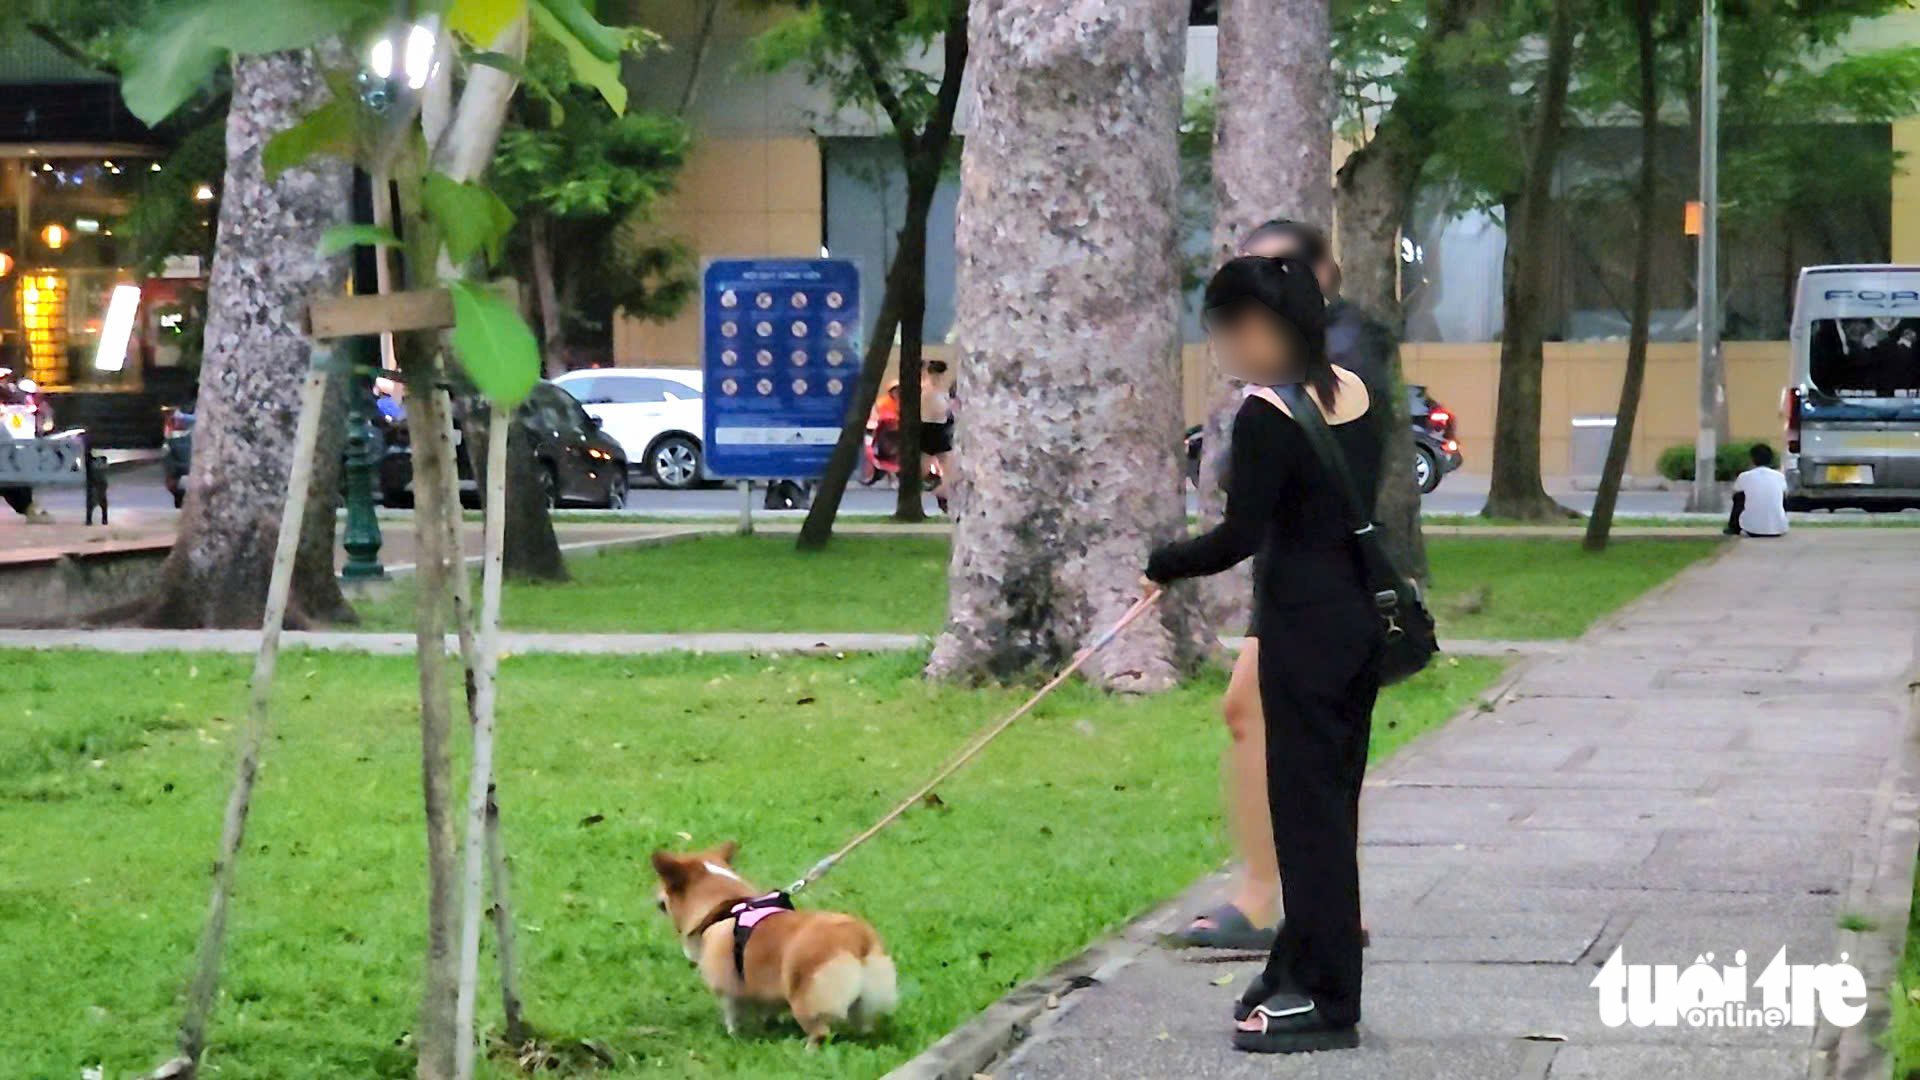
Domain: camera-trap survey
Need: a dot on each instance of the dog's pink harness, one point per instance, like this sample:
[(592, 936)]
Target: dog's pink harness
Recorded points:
[(747, 914)]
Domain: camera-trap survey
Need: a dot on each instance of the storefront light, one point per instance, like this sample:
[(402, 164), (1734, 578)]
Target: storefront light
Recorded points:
[(117, 331), (54, 236), (6, 264), (86, 225), (43, 322)]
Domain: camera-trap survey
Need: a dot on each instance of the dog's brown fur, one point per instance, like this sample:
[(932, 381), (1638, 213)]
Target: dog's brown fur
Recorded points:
[(827, 968)]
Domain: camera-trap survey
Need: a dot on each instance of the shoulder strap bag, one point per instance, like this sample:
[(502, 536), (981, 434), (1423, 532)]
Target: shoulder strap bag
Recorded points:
[(1410, 640)]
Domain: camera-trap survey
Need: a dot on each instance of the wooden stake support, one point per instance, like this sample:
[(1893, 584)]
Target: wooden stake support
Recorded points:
[(485, 857), (480, 780), (206, 980)]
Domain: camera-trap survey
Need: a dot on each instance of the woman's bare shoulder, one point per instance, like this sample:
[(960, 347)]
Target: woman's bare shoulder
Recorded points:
[(1353, 400)]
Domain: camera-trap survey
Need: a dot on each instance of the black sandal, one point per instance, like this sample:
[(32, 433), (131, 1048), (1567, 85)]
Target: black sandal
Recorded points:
[(1231, 929), (1290, 1023)]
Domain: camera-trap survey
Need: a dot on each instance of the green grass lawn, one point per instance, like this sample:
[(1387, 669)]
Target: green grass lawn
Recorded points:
[(1838, 520), (1483, 587), (1902, 1037), (114, 769)]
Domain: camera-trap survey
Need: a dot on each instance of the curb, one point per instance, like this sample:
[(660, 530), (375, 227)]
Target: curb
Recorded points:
[(1882, 890), (991, 1035)]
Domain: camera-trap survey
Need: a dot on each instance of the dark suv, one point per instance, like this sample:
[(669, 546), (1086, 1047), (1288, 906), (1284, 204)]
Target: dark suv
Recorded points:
[(579, 463), (1435, 450)]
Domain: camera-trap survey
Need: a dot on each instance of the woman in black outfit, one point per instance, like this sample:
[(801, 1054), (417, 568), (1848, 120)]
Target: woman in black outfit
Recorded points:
[(1319, 637)]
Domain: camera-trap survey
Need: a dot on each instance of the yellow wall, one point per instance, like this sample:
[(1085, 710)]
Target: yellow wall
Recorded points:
[(1906, 191), (739, 197), (1580, 378)]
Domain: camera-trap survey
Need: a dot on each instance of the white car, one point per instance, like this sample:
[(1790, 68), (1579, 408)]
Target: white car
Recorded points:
[(655, 414)]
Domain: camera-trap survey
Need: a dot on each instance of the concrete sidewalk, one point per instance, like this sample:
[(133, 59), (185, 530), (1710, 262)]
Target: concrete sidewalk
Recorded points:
[(1727, 765)]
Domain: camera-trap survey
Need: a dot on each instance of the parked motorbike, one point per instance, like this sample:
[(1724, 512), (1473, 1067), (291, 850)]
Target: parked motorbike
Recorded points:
[(880, 456)]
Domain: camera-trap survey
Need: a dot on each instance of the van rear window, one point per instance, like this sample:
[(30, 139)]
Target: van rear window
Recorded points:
[(1866, 358)]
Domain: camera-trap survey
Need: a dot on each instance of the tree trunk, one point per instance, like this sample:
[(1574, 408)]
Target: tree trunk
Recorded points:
[(1516, 490), (1373, 193), (533, 551), (817, 529), (315, 579), (532, 548), (1373, 199), (1272, 158), (552, 336), (924, 155), (432, 461), (1068, 300), (266, 265), (1604, 500), (912, 257)]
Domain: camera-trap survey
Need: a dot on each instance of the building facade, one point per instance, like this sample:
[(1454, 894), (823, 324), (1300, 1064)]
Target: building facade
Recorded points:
[(776, 171)]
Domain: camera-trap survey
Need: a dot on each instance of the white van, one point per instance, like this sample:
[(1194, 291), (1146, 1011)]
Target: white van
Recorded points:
[(1852, 400)]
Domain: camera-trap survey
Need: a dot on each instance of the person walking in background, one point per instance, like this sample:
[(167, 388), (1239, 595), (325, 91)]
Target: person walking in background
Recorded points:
[(1249, 917), (1319, 635), (936, 422), (1759, 498)]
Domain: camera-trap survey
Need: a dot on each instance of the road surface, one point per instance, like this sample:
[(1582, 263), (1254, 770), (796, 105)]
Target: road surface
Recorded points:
[(139, 488)]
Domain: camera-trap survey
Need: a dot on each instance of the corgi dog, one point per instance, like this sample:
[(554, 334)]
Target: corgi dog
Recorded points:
[(757, 953)]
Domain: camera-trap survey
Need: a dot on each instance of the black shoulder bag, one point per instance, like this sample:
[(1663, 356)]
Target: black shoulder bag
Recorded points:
[(1410, 641)]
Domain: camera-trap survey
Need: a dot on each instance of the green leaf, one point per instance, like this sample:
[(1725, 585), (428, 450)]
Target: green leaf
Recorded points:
[(326, 130), (339, 238), (173, 52), (483, 20), (493, 343), (591, 69), (604, 42), (471, 219)]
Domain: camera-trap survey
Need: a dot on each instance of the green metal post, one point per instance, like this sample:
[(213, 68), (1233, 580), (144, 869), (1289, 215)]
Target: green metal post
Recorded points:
[(362, 539)]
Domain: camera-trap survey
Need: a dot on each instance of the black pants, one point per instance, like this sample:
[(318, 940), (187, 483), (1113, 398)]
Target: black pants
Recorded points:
[(1319, 676)]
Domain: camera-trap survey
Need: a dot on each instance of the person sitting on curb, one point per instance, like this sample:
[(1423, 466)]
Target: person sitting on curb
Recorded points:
[(1759, 498)]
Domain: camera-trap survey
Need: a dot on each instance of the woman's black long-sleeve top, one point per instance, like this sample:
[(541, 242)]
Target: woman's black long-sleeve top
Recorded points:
[(1284, 506)]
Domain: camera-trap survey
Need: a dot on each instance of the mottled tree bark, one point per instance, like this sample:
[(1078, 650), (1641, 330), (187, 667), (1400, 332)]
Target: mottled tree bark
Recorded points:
[(1517, 491), (1272, 158), (1068, 314), (266, 265)]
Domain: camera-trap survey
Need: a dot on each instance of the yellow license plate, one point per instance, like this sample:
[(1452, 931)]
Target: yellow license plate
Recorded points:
[(1849, 474)]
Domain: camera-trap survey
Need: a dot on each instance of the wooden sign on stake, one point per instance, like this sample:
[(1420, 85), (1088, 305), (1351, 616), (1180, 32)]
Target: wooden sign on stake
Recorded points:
[(390, 313)]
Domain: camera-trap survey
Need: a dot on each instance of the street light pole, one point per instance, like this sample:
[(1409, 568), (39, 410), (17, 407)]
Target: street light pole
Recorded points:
[(362, 536), (1706, 492)]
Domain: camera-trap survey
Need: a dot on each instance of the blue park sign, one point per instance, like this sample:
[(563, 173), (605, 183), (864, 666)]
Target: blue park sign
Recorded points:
[(781, 351)]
